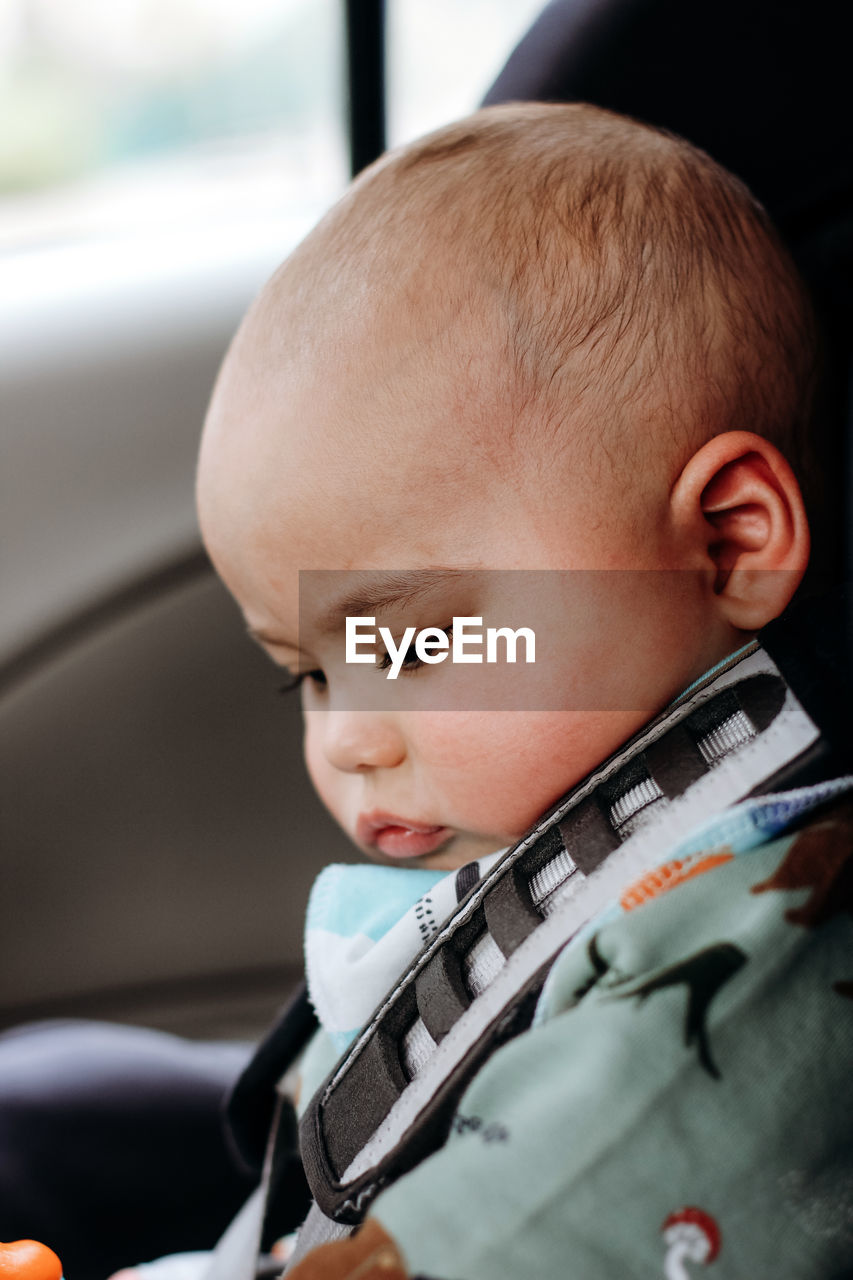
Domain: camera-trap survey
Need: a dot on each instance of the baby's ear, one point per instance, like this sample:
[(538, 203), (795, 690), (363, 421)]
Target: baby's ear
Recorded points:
[(739, 505)]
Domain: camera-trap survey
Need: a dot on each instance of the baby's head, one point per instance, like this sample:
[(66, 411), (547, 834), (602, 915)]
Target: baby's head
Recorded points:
[(545, 338)]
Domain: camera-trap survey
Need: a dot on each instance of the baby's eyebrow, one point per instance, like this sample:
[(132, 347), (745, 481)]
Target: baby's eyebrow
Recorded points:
[(381, 590)]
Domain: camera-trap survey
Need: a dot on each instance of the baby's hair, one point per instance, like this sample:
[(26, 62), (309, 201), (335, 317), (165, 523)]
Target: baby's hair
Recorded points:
[(644, 290)]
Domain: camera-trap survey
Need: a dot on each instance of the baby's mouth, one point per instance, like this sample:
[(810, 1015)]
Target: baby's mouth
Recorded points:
[(400, 837)]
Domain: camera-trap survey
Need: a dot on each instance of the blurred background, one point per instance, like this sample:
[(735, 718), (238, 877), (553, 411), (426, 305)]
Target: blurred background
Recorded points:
[(158, 158)]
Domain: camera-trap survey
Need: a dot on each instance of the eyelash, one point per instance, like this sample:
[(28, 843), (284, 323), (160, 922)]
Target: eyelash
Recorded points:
[(318, 677), (408, 664)]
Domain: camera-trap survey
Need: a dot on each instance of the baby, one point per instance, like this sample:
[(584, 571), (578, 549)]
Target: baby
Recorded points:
[(543, 339)]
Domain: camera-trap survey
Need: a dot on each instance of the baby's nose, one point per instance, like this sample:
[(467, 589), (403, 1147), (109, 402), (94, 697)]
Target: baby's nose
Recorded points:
[(357, 740)]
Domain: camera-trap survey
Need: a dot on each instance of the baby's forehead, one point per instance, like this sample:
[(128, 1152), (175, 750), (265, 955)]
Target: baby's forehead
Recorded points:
[(392, 418), (395, 413)]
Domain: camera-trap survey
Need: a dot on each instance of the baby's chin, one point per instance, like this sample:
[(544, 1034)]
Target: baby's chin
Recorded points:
[(457, 851)]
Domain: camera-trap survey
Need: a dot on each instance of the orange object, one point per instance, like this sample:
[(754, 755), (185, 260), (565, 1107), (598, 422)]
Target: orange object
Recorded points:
[(28, 1260), (664, 878)]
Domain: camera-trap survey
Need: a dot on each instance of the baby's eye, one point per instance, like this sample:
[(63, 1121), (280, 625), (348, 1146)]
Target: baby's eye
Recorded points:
[(411, 661), (316, 676)]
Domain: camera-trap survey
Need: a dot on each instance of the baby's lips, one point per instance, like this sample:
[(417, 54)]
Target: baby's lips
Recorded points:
[(28, 1260)]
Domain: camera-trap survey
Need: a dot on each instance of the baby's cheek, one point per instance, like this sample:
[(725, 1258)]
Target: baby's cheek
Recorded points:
[(499, 770)]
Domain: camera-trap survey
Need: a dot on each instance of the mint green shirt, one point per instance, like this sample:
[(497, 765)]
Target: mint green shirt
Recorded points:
[(682, 1104)]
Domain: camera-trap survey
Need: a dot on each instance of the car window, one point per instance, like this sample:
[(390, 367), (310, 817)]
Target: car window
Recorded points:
[(140, 113), (124, 114)]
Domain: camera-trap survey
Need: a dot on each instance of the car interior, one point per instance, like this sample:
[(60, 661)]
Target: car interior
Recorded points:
[(158, 834)]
